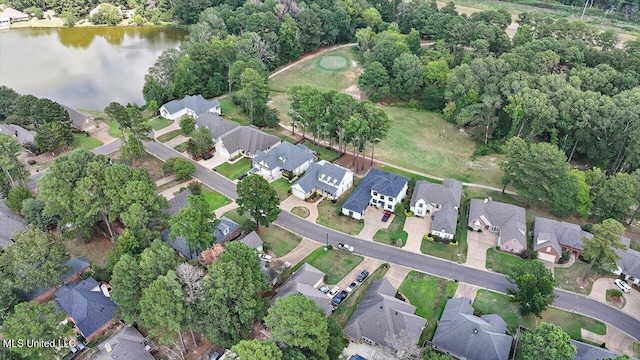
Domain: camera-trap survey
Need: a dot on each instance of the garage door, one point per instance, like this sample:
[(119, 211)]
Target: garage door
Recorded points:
[(546, 257)]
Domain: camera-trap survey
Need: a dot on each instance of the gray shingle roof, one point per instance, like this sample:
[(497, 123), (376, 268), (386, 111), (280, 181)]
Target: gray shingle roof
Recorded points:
[(447, 195), (249, 139), (285, 156), (629, 262), (74, 265), (322, 175), (179, 244), (303, 282), (88, 306), (385, 183), (511, 219), (197, 103), (10, 223), (79, 119), (464, 334), (590, 352), (380, 313), (127, 344), (549, 232), (177, 202), (225, 230), (216, 124), (252, 240), (23, 135)]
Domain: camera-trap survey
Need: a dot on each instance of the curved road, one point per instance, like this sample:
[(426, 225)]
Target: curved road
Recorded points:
[(431, 265)]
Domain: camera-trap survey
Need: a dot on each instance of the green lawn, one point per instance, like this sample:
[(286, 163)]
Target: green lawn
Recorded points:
[(231, 171), (501, 262), (567, 277), (281, 134), (170, 135), (182, 147), (114, 128), (301, 211), (488, 302), (335, 263), (407, 174), (394, 235), (215, 199), (429, 294), (279, 240), (346, 309), (233, 215), (233, 112), (84, 142), (159, 123), (323, 153), (282, 187), (446, 251), (329, 217)]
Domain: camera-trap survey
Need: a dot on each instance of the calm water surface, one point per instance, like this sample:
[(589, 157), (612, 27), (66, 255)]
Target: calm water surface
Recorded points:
[(83, 67)]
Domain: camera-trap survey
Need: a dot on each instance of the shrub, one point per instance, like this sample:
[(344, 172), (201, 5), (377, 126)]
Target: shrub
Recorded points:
[(187, 124), (237, 99), (101, 273), (493, 147), (399, 209), (408, 213), (16, 196), (35, 11), (565, 257), (428, 237), (615, 292), (195, 187), (454, 243), (181, 167), (529, 254)]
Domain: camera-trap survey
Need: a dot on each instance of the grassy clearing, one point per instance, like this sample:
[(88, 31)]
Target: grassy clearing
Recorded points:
[(84, 142), (232, 112), (280, 134), (567, 277), (95, 251), (329, 217), (170, 135), (215, 199), (408, 174), (279, 240), (394, 235), (323, 153), (501, 262), (159, 123), (429, 294), (182, 147), (446, 251), (335, 263), (282, 187), (233, 215), (346, 309), (232, 171), (301, 211), (488, 302), (114, 128)]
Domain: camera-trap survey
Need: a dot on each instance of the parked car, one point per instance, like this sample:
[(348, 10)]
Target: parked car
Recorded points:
[(622, 285), (339, 298), (266, 257), (324, 289), (363, 275), (215, 356), (77, 348), (352, 286), (333, 291), (252, 171), (242, 176), (345, 247), (207, 156), (386, 216)]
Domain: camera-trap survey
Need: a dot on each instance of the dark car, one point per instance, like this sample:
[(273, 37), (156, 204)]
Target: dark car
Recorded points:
[(363, 275), (386, 216), (242, 176), (207, 156), (337, 300)]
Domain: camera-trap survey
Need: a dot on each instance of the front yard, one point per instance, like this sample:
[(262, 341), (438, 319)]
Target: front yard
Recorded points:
[(215, 199), (329, 216), (232, 171), (114, 128), (282, 187), (335, 263), (170, 135), (446, 251), (429, 294), (501, 262), (489, 302), (159, 123), (394, 235), (567, 277), (84, 142), (343, 313)]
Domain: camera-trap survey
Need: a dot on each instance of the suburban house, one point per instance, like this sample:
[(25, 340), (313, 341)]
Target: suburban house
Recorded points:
[(89, 305), (379, 188), (283, 158), (245, 141), (466, 336), (73, 270), (589, 352), (22, 135), (8, 16), (253, 241), (226, 230), (10, 223), (506, 220), (629, 263), (441, 202), (80, 120), (381, 313), (324, 178), (192, 105), (306, 281), (127, 343), (551, 238), (216, 124), (177, 202)]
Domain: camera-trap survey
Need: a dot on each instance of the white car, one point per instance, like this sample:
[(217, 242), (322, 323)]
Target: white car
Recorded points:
[(622, 285), (352, 286), (345, 247), (266, 257), (333, 291)]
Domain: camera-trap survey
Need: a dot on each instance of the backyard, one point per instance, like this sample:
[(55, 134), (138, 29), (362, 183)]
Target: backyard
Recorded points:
[(94, 251), (335, 263), (323, 153), (446, 251), (282, 187), (429, 294), (394, 235), (232, 171), (488, 302), (232, 112), (502, 262), (215, 199), (407, 174), (84, 142), (348, 306)]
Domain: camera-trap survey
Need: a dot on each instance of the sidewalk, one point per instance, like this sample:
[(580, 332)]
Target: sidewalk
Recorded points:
[(301, 251)]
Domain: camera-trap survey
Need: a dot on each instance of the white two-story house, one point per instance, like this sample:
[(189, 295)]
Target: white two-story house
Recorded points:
[(380, 189)]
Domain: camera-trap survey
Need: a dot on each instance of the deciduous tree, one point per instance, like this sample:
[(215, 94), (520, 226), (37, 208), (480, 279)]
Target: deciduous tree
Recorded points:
[(258, 198), (187, 124), (12, 171), (119, 113), (255, 91), (547, 341), (601, 247), (200, 142), (195, 223), (374, 81), (53, 137), (535, 285), (33, 213), (16, 196), (257, 350), (155, 261)]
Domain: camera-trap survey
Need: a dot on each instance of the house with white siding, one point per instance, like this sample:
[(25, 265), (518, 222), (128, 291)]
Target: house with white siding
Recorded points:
[(378, 188), (192, 105), (323, 178), (283, 158), (439, 201)]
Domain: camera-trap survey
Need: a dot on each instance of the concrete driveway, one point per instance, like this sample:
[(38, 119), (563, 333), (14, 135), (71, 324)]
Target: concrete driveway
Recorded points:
[(416, 228), (632, 298), (214, 162), (478, 244), (465, 290), (396, 275), (176, 141), (368, 263), (292, 201), (373, 223), (301, 251)]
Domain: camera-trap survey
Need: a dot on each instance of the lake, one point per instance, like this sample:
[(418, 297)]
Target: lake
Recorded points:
[(82, 67)]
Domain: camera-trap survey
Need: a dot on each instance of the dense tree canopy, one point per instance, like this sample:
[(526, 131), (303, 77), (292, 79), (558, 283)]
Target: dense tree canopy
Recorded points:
[(195, 223), (601, 247), (546, 342), (535, 285), (258, 198)]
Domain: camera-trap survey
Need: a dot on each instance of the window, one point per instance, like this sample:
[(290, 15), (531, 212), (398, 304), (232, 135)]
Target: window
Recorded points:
[(350, 213), (375, 193), (421, 205), (374, 201), (381, 197), (390, 198), (389, 207)]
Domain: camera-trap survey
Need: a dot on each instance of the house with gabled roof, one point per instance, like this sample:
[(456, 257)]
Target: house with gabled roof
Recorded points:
[(72, 272), (253, 240), (10, 224), (226, 230), (80, 120), (191, 105), (586, 351), (216, 124), (378, 188), (305, 281), (441, 202), (323, 178), (88, 305), (466, 336), (126, 344), (245, 141), (629, 262), (508, 221), (552, 237), (177, 202), (283, 158), (21, 134), (380, 313)]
